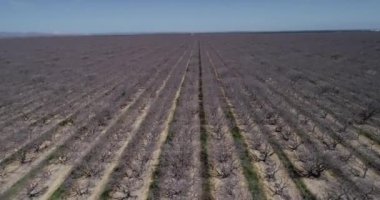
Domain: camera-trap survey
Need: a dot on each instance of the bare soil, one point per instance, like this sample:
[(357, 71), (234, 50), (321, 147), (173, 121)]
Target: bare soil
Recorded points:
[(201, 116)]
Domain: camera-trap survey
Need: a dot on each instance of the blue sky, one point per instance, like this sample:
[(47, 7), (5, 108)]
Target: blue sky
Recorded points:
[(113, 16)]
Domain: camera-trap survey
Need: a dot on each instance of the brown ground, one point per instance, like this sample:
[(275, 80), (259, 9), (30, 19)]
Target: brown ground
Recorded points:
[(204, 116)]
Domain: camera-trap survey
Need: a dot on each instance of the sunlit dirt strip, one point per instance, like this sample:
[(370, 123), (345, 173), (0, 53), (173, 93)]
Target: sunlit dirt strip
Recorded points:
[(145, 140), (99, 144), (26, 114), (313, 77), (309, 75), (339, 174), (343, 87), (30, 89), (43, 157), (368, 157), (270, 168), (97, 64), (50, 131), (227, 178), (279, 152), (152, 77), (250, 170), (68, 170), (43, 105), (177, 174), (66, 104), (37, 98), (105, 178), (341, 83), (57, 124), (331, 124), (337, 122), (11, 155), (256, 118), (156, 154)]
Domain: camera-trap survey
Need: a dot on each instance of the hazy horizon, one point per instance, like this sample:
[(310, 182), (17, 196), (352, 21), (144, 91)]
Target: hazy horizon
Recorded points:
[(123, 17)]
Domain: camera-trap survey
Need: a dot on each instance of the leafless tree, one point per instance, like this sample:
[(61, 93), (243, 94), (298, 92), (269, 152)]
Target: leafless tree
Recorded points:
[(304, 121), (341, 194), (218, 130), (80, 190), (368, 194), (278, 129), (257, 142), (103, 117), (270, 118), (363, 170), (294, 142), (323, 114), (286, 134), (313, 165), (279, 187), (265, 152), (271, 170), (330, 143), (346, 157), (370, 110), (121, 192)]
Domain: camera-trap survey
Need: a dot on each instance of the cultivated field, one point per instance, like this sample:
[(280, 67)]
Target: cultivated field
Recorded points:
[(208, 116)]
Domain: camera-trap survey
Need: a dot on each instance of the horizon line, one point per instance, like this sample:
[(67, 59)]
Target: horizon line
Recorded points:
[(11, 34)]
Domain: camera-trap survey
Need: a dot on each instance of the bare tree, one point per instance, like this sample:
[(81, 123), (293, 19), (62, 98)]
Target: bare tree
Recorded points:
[(265, 151), (330, 143), (257, 142), (279, 187), (313, 165), (271, 170), (286, 134), (369, 193), (294, 142), (270, 118), (32, 189), (370, 110), (346, 157)]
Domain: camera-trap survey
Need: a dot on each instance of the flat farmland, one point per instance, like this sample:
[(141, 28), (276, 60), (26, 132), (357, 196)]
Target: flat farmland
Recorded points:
[(200, 116)]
